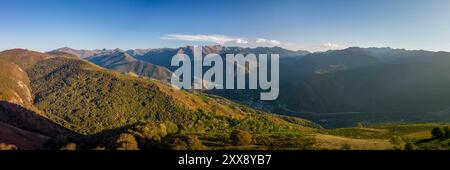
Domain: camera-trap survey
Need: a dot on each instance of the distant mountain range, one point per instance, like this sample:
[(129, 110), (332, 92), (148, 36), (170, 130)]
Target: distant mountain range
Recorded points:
[(162, 57), (349, 80), (122, 61), (155, 63)]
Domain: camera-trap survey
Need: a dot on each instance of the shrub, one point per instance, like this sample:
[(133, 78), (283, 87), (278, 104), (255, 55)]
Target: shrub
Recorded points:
[(437, 133), (194, 143), (447, 132), (70, 146), (346, 146), (126, 141), (171, 127), (152, 132), (410, 146), (178, 144), (397, 141), (240, 137), (99, 148), (190, 142)]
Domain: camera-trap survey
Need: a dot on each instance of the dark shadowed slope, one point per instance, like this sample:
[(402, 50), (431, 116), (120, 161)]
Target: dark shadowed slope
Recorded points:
[(418, 83), (21, 138)]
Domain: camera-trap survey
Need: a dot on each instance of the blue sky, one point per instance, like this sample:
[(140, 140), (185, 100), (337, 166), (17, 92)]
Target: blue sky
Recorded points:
[(314, 25)]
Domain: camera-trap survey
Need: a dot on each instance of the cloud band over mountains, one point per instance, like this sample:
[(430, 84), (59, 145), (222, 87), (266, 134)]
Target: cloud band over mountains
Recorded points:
[(243, 41), (219, 39)]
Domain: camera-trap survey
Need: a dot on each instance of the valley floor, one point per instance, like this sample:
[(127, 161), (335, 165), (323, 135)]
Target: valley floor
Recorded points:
[(389, 136)]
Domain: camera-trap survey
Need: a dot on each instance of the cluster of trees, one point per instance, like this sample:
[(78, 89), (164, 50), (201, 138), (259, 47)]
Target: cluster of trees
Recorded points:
[(124, 141), (154, 135), (88, 101), (441, 133)]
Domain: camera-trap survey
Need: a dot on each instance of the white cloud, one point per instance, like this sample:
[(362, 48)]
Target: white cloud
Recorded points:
[(241, 41), (219, 39), (266, 42), (330, 46), (312, 47), (261, 40)]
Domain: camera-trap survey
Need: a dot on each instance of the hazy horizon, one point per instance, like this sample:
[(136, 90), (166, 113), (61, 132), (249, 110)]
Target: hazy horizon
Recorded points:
[(223, 46)]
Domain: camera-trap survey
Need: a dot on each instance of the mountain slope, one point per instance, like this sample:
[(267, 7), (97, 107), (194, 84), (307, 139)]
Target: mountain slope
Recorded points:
[(296, 69), (418, 83), (21, 123), (125, 63), (78, 53), (15, 84)]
